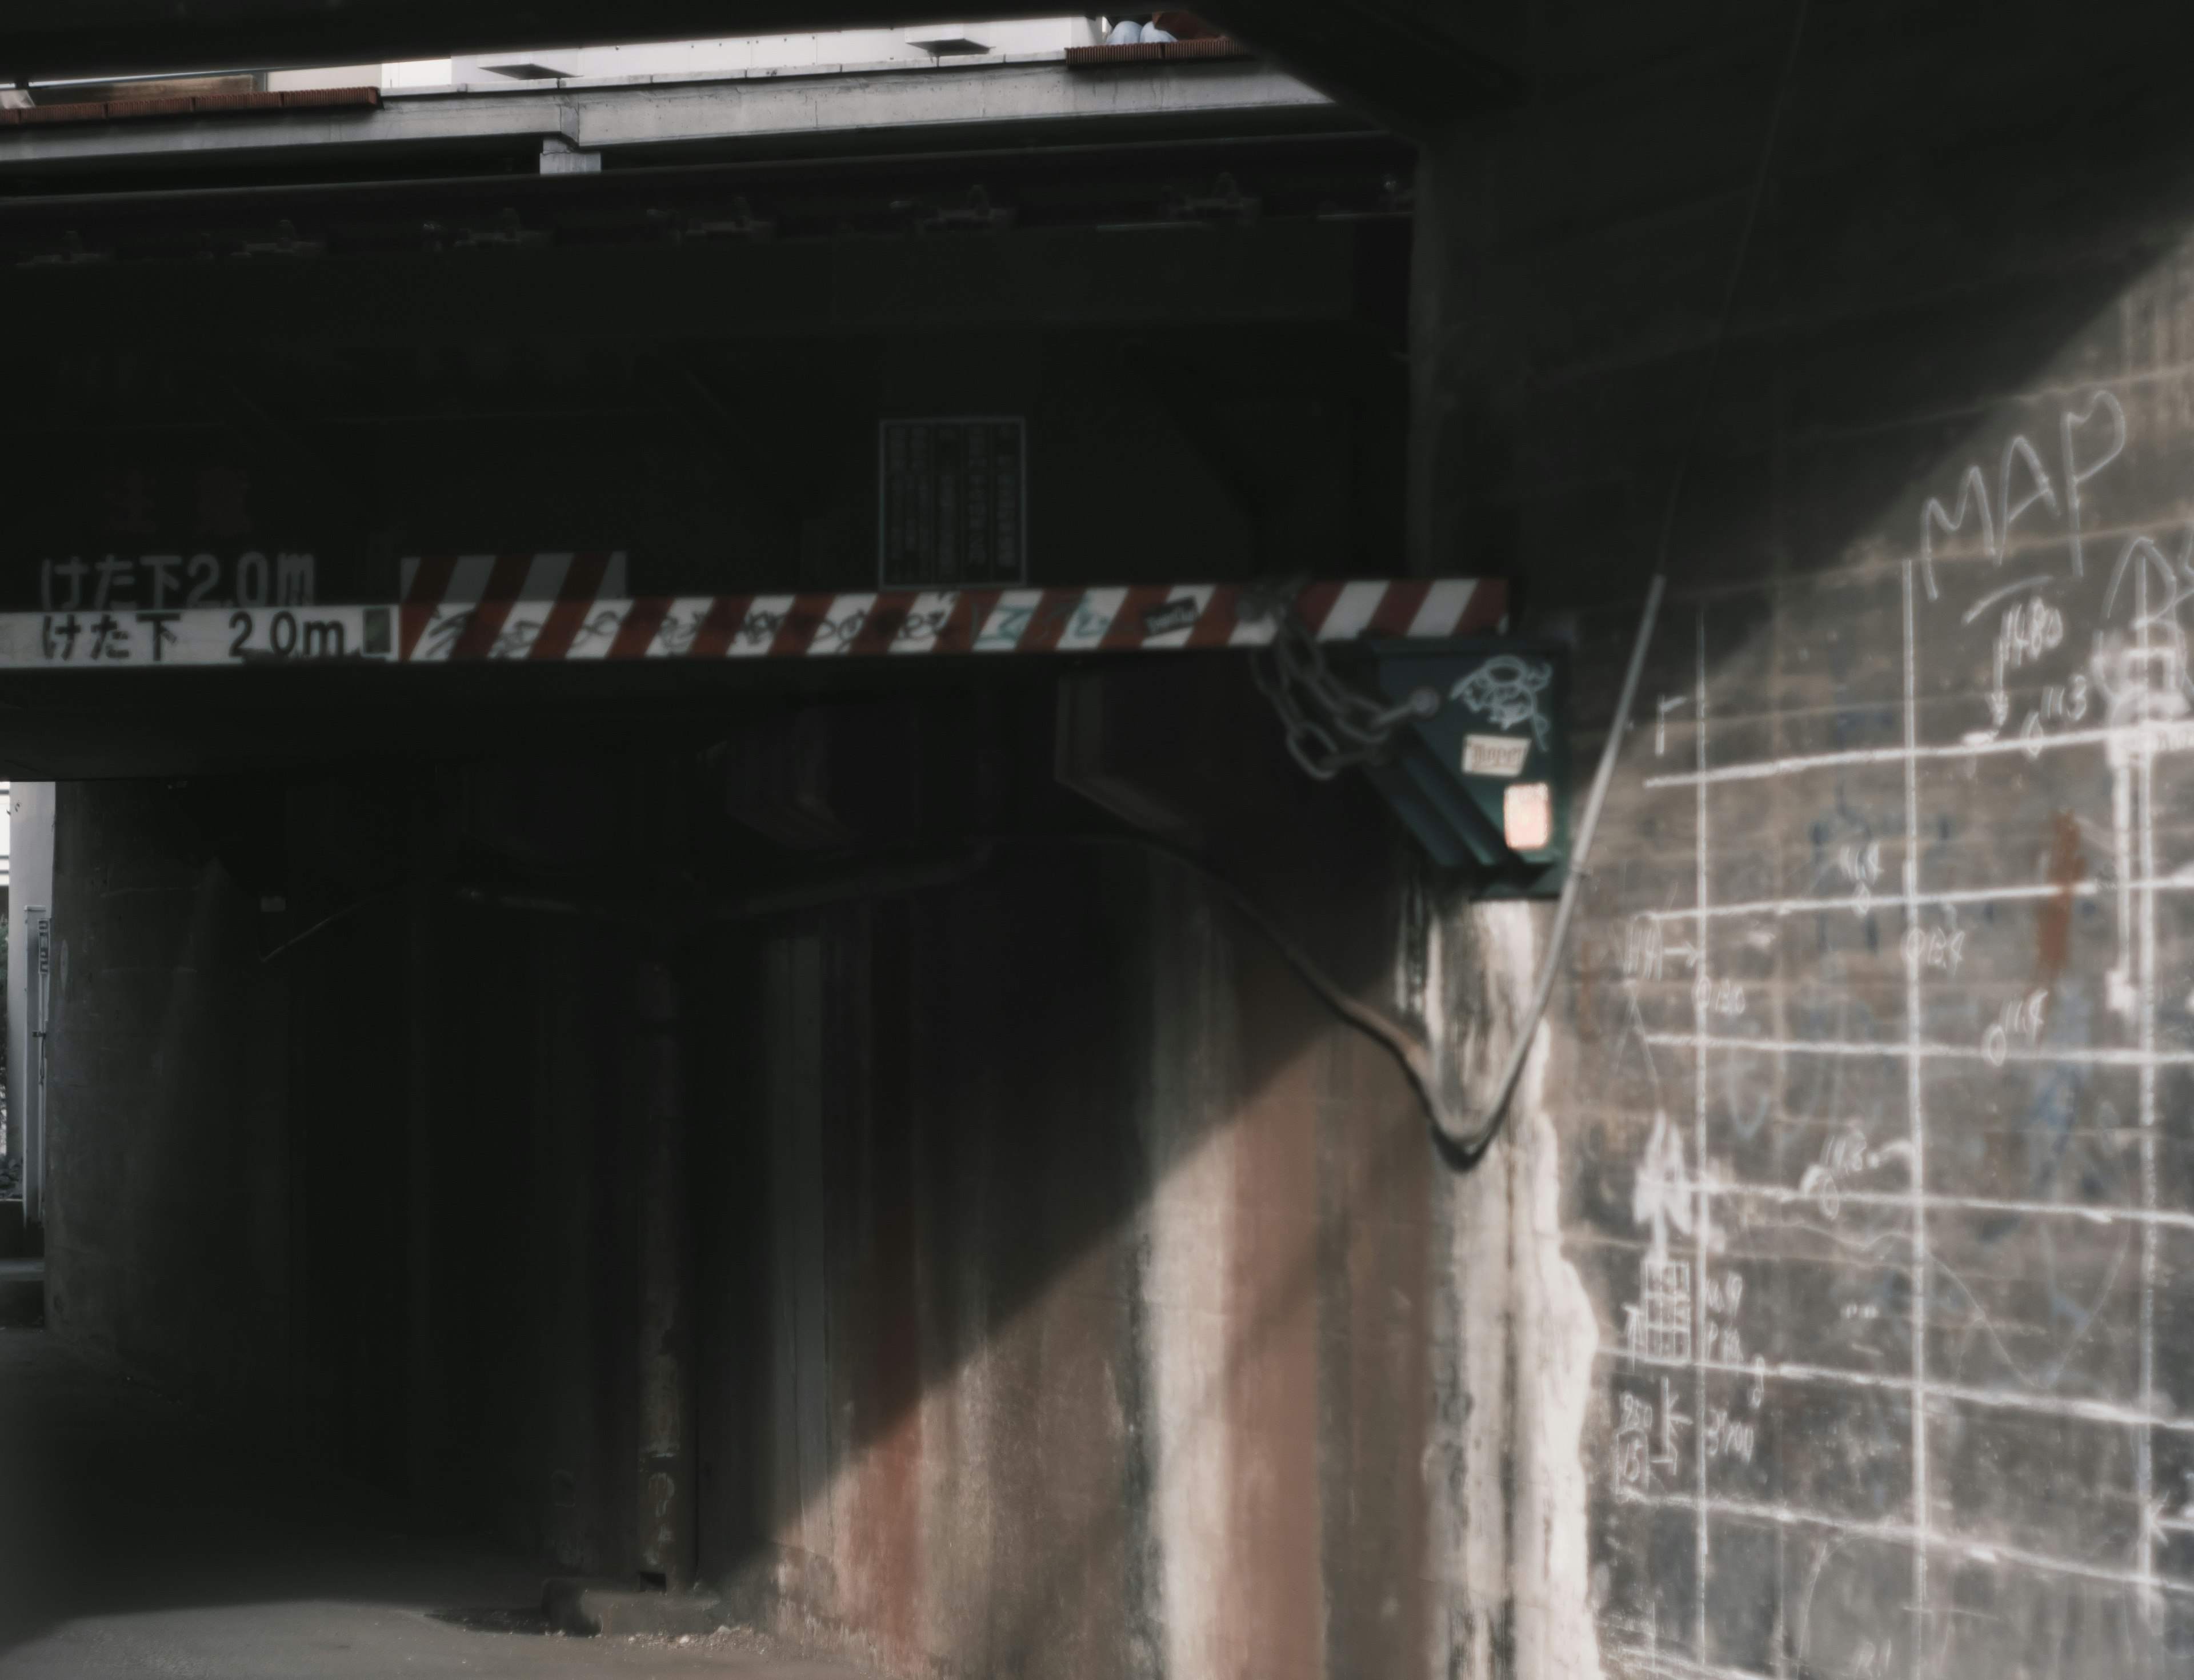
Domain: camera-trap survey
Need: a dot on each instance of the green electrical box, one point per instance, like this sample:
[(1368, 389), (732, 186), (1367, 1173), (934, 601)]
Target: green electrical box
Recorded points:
[(1483, 778)]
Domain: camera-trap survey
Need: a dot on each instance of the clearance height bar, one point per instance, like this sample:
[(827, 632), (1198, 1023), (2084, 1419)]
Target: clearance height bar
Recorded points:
[(887, 624)]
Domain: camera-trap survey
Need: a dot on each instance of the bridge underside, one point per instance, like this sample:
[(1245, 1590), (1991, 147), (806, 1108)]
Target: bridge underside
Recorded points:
[(889, 1143)]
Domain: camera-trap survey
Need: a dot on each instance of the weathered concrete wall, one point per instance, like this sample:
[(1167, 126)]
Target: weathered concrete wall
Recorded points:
[(1097, 1285), (168, 1237), (1076, 1297), (1869, 1074)]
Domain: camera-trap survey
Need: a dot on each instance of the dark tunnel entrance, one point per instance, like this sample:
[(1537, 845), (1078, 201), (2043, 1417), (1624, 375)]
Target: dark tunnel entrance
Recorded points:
[(617, 1156), (509, 1114)]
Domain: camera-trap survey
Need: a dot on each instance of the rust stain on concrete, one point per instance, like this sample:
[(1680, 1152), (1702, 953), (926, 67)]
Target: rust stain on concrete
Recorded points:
[(2067, 868), (1377, 1345), (1272, 1405)]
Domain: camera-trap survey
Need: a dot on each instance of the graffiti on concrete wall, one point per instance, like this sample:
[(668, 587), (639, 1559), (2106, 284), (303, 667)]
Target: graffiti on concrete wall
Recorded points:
[(1898, 1352)]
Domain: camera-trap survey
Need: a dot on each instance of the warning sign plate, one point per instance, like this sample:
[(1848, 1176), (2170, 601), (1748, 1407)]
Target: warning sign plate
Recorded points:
[(122, 638)]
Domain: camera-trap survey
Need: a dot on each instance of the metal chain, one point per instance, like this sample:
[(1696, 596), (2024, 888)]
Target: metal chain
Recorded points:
[(1332, 725)]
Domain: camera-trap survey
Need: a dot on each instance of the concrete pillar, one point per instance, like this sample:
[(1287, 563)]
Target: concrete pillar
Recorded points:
[(666, 1503), (31, 897)]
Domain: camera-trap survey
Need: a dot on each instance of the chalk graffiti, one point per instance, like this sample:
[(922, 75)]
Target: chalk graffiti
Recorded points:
[(1923, 1064), (1995, 519)]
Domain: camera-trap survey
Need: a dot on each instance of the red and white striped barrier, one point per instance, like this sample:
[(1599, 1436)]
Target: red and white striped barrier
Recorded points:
[(468, 600), (580, 624), (561, 607)]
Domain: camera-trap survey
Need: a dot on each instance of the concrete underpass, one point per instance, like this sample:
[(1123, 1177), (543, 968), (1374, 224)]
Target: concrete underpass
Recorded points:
[(785, 778)]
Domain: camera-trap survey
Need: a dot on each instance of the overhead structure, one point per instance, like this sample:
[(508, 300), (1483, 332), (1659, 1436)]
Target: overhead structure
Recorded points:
[(1415, 64)]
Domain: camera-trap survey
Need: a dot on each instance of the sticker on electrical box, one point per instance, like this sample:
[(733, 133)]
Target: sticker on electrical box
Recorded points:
[(1495, 755), (1527, 817)]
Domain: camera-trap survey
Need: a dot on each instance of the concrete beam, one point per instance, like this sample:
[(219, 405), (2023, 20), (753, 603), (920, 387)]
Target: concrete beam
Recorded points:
[(52, 39), (1421, 60), (1176, 278), (1418, 64), (276, 445), (645, 113)]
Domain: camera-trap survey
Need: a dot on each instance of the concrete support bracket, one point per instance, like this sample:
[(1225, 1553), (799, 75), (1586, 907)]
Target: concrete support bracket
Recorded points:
[(560, 156)]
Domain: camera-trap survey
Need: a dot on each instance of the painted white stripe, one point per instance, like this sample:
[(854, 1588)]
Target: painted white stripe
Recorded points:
[(2122, 738), (544, 578), (520, 628), (674, 636), (2040, 1404), (1899, 1533), (2100, 1056), (1092, 619), (1869, 905), (598, 631), (2087, 1213), (847, 617), (440, 633), (1352, 611), (469, 581), (1252, 633), (1200, 593), (1009, 621), (758, 629), (928, 615), (1005, 629), (1444, 603)]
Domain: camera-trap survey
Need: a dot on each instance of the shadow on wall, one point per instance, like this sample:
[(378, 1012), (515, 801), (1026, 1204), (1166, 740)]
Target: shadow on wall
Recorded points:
[(1885, 1024), (1880, 1019), (1027, 1206)]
